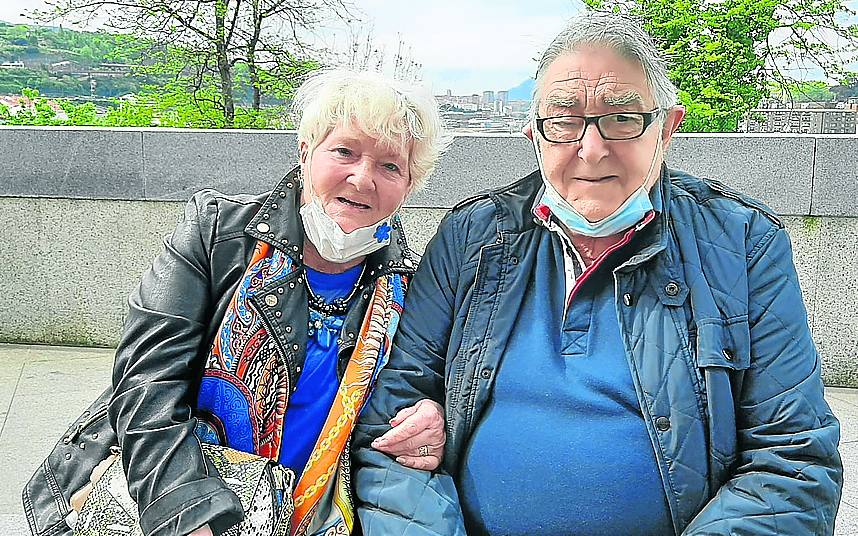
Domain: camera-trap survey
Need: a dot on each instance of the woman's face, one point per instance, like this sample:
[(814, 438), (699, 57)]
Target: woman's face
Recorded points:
[(359, 180)]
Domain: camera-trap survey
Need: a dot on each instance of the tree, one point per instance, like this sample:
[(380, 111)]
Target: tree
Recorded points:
[(212, 47), (725, 54)]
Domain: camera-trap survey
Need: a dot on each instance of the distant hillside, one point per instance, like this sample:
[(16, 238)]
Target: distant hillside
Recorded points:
[(61, 62), (523, 91)]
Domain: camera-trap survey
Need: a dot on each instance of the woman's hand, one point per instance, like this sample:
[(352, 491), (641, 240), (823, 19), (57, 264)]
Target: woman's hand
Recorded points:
[(417, 437), (202, 531)]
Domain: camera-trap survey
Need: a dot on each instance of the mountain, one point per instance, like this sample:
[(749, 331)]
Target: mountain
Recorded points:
[(523, 91)]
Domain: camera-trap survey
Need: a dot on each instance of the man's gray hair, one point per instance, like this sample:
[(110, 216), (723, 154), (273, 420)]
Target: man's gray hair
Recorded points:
[(620, 33)]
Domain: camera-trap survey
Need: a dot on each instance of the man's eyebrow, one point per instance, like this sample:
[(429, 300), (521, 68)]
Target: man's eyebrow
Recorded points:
[(623, 99), (562, 101)]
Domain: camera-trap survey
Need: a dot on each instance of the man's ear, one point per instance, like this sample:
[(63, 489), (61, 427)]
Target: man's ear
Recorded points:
[(671, 124), (527, 130)]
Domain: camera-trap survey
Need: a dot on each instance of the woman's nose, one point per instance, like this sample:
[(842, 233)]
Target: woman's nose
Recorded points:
[(361, 176)]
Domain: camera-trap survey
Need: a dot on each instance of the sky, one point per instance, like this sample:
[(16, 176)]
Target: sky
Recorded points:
[(466, 46)]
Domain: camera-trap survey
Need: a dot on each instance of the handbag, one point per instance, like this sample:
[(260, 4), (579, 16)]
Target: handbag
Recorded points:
[(263, 487), (88, 441)]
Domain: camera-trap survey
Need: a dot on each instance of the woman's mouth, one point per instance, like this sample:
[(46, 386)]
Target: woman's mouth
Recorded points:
[(350, 203)]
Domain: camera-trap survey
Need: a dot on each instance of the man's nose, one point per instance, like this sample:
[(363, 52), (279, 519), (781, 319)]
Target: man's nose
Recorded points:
[(592, 147), (362, 176)]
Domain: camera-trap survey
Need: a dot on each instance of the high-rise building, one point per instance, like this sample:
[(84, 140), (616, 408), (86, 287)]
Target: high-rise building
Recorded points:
[(488, 98), (501, 101)]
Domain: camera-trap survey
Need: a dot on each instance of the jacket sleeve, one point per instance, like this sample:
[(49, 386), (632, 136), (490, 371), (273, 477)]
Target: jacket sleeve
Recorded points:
[(787, 477), (158, 361), (395, 500)]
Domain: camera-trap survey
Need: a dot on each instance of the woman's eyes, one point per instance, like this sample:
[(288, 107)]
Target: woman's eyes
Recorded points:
[(348, 153)]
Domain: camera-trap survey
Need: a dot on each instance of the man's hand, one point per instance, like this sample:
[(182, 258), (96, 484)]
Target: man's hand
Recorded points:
[(417, 437), (202, 531)]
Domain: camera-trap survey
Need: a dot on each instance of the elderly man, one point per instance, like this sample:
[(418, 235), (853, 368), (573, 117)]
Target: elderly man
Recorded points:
[(622, 349)]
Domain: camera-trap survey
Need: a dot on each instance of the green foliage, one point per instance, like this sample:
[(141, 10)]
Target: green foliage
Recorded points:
[(810, 223), (725, 54), (165, 91), (218, 63), (811, 91), (166, 106)]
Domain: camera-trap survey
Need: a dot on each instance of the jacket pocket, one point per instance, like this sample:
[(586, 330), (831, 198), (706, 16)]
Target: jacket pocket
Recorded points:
[(724, 343)]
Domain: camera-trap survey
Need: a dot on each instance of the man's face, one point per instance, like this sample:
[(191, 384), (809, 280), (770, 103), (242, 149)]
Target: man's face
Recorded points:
[(596, 175)]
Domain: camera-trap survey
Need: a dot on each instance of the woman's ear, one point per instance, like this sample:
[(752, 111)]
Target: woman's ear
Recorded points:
[(303, 149)]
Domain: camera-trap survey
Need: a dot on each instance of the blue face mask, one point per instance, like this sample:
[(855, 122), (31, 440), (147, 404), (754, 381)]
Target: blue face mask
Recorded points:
[(629, 213), (633, 209)]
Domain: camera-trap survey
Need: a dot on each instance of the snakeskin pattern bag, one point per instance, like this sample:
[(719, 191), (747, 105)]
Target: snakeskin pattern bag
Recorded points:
[(263, 487)]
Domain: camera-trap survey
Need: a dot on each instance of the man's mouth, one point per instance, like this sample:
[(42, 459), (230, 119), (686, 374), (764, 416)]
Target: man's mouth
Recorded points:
[(604, 178), (355, 204)]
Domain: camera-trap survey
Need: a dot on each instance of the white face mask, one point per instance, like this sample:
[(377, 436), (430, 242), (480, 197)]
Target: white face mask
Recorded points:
[(336, 245)]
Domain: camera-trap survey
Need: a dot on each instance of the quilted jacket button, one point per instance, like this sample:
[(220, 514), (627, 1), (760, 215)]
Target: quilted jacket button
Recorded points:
[(627, 299), (662, 424), (271, 300), (728, 354), (485, 374), (671, 289)]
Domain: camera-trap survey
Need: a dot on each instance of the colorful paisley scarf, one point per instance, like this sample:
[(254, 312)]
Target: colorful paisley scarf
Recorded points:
[(245, 391)]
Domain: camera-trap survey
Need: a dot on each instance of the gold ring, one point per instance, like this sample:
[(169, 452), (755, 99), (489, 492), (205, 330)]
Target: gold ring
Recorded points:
[(423, 450)]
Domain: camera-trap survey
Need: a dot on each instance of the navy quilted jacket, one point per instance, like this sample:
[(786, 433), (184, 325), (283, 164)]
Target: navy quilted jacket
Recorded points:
[(717, 342)]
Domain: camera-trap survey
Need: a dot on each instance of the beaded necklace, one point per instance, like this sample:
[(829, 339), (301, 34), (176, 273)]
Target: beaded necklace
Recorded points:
[(324, 309)]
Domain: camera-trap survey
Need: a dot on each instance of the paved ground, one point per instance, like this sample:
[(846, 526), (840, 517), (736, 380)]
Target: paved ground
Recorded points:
[(44, 388)]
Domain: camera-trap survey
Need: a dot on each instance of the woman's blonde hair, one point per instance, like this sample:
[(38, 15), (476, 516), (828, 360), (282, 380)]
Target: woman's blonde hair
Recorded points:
[(389, 110)]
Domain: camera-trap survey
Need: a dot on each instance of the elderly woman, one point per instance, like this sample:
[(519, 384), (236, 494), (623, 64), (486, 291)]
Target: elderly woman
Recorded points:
[(263, 324), (630, 340)]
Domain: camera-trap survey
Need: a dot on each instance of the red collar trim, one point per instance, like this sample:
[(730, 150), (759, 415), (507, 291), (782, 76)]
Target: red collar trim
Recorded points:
[(627, 237)]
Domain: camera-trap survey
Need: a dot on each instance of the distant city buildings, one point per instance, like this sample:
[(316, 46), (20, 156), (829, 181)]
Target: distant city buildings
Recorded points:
[(489, 112), (806, 118), (493, 111)]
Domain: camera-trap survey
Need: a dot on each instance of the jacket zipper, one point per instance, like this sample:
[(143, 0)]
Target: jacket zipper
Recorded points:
[(83, 425)]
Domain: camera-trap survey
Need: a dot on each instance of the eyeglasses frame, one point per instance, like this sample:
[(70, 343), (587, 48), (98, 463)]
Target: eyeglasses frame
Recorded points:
[(648, 117)]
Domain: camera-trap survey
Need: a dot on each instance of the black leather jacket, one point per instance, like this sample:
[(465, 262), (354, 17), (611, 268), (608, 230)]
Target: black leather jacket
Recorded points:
[(173, 317)]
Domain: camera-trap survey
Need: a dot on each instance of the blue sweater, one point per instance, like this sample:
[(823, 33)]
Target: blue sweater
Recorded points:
[(562, 447)]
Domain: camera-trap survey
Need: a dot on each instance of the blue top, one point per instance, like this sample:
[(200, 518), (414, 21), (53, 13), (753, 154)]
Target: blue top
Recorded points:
[(317, 385), (562, 447)]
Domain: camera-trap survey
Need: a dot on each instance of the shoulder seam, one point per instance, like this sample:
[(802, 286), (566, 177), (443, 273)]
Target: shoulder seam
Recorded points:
[(729, 193)]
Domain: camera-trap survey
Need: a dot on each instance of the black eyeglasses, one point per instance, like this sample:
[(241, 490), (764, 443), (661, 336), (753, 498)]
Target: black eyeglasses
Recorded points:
[(616, 126)]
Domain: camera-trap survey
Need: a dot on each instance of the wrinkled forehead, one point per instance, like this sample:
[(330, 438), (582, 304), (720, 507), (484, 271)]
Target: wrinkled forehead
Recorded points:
[(572, 86)]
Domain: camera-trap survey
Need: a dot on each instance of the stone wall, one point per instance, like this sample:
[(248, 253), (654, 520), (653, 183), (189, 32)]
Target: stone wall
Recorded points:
[(83, 212)]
